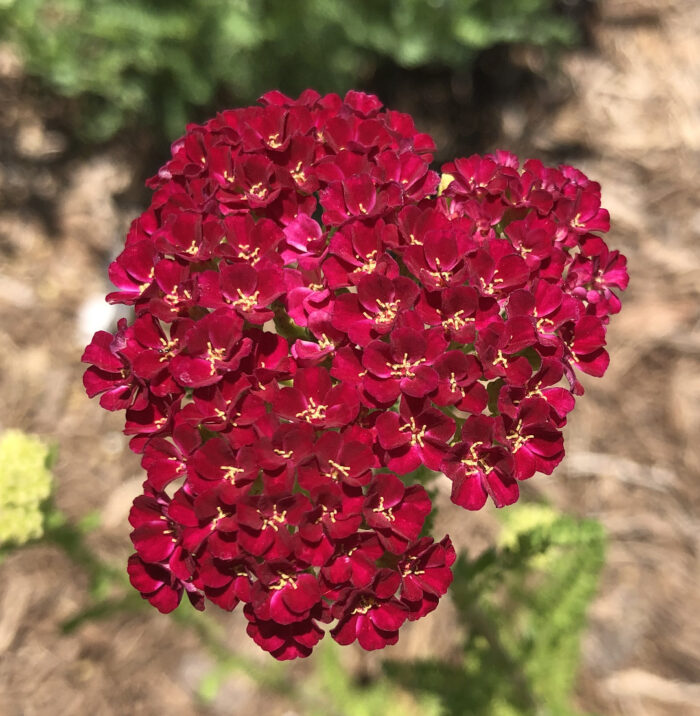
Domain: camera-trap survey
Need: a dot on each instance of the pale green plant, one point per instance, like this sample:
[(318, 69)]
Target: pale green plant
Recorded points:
[(25, 484)]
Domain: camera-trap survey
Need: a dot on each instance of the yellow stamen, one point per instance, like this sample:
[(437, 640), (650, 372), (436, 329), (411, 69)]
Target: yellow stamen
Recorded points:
[(416, 434), (500, 359), (275, 520), (405, 369), (387, 312), (457, 321), (273, 141), (475, 463), (544, 325), (487, 287), (517, 437), (247, 255), (213, 355), (285, 580), (313, 412), (387, 511), (337, 470), (167, 349), (230, 472), (173, 299), (366, 603), (220, 515), (370, 265), (246, 303), (325, 342), (440, 275), (298, 174), (258, 190), (410, 567)]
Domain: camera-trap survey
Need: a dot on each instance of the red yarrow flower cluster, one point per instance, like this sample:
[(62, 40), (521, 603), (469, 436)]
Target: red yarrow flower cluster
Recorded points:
[(319, 314)]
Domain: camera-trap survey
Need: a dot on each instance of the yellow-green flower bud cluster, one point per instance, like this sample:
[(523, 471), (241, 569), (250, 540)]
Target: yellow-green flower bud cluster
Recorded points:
[(25, 482)]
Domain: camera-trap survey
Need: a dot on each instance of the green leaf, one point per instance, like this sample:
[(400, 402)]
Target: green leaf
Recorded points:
[(523, 606)]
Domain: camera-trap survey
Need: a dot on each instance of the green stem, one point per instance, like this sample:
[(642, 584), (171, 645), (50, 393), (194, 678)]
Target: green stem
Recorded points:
[(286, 327)]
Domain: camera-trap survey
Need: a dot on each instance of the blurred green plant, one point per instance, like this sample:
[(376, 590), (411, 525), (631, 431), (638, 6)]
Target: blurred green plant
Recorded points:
[(25, 485), (522, 606), (329, 689), (152, 62), (334, 691)]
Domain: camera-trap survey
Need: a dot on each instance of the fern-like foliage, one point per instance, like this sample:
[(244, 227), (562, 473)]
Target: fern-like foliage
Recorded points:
[(153, 62), (522, 606)]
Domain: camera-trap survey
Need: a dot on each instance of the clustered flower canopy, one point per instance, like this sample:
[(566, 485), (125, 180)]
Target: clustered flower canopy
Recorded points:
[(318, 315), (25, 485)]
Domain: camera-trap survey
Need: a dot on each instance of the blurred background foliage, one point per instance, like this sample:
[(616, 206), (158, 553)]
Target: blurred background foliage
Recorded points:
[(522, 606), (161, 64), (25, 484)]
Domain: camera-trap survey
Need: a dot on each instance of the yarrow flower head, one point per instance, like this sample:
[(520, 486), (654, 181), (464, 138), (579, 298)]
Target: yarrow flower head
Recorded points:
[(25, 484), (318, 315)]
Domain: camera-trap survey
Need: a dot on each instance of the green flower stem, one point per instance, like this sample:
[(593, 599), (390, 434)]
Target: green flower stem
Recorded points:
[(286, 327)]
